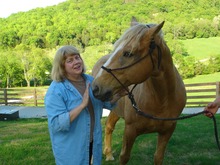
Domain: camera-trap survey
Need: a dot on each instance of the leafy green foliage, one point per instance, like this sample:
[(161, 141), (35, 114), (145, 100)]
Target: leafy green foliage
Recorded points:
[(24, 63), (86, 23), (93, 26)]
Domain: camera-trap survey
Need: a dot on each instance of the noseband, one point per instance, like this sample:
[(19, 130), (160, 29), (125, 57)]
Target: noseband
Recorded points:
[(153, 45)]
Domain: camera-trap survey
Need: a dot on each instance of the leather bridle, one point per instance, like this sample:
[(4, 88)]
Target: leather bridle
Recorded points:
[(152, 46)]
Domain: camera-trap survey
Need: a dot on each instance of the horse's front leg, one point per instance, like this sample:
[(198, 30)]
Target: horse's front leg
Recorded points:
[(128, 141), (162, 141), (109, 128)]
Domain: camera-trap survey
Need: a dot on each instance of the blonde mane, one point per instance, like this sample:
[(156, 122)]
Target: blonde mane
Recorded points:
[(159, 91), (134, 34)]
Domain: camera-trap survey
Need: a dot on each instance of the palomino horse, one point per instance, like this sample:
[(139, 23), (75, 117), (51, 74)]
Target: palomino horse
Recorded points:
[(141, 57)]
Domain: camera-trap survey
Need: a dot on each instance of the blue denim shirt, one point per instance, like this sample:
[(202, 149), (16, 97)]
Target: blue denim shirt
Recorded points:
[(70, 141)]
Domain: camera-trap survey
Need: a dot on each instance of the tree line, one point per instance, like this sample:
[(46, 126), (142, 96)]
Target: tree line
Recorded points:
[(86, 23), (28, 39)]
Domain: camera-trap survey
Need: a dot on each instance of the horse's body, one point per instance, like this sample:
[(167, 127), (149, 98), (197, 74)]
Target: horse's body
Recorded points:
[(160, 90)]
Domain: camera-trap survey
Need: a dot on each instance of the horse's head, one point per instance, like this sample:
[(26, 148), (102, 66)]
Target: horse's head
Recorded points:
[(132, 61)]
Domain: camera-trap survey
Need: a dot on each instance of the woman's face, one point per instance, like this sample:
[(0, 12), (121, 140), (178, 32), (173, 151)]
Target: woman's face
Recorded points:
[(73, 66)]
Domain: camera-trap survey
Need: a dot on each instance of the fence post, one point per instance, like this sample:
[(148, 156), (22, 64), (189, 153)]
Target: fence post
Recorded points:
[(35, 97), (217, 89), (5, 96)]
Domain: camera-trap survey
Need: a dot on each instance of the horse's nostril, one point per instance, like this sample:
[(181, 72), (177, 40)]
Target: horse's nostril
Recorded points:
[(95, 90), (103, 95), (107, 95)]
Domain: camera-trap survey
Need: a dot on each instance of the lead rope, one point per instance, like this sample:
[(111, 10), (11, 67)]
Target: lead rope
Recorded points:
[(131, 97), (138, 111)]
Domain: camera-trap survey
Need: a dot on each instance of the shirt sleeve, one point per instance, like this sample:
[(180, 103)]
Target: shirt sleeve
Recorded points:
[(109, 105), (58, 116)]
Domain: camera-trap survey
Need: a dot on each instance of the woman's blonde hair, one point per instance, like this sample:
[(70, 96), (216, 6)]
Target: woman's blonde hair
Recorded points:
[(58, 71)]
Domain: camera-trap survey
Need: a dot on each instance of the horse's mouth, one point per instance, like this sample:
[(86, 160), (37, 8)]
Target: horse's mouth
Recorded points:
[(119, 94), (103, 96), (109, 95)]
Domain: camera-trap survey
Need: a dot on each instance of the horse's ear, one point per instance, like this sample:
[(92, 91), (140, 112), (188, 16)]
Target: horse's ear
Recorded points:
[(158, 28), (133, 21)]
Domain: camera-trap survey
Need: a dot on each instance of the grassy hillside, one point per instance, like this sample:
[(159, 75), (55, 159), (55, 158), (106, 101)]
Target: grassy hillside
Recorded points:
[(202, 48), (203, 78)]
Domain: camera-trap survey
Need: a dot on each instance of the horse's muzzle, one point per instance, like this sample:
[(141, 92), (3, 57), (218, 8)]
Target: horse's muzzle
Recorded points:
[(103, 95)]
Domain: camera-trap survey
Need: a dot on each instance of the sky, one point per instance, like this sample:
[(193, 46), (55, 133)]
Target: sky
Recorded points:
[(8, 7)]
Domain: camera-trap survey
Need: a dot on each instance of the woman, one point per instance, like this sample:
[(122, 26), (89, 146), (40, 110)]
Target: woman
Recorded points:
[(74, 115)]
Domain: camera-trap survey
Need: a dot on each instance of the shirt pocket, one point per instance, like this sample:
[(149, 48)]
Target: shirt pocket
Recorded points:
[(73, 101)]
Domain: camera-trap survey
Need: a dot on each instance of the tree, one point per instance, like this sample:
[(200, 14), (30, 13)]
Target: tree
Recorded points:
[(25, 57), (8, 39), (34, 62), (10, 71), (199, 68), (40, 67)]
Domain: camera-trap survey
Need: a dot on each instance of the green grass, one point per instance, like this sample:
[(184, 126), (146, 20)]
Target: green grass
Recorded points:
[(202, 48), (26, 141), (215, 77), (193, 143)]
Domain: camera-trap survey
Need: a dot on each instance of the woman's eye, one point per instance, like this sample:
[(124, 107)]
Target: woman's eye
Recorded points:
[(69, 61), (73, 59), (77, 57), (128, 54)]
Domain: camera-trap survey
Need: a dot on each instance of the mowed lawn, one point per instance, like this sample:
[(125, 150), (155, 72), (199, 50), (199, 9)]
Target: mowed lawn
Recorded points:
[(202, 48), (214, 77), (26, 142)]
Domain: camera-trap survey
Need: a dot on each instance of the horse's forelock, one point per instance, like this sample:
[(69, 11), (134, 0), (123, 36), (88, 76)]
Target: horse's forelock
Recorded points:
[(134, 34)]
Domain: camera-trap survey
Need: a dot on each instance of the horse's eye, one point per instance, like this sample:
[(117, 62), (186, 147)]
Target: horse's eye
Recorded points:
[(127, 54)]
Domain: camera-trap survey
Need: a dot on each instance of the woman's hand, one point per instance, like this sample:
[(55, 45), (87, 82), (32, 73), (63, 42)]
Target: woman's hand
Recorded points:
[(76, 111), (86, 96)]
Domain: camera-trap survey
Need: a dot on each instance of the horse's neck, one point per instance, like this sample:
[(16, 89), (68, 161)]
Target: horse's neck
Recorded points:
[(164, 79)]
